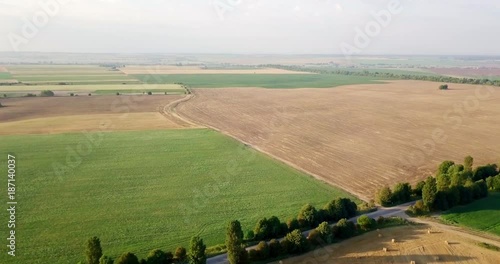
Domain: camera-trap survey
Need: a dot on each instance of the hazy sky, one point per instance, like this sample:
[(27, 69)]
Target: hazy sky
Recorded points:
[(249, 26)]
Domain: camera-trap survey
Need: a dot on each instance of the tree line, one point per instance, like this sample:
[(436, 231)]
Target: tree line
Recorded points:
[(456, 184), (295, 242), (376, 74), (195, 255)]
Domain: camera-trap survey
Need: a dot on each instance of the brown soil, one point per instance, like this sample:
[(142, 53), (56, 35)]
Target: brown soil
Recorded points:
[(358, 137)]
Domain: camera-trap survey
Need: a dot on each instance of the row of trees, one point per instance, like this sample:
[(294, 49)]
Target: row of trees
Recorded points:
[(295, 242), (456, 184), (433, 78), (308, 217), (400, 193), (196, 254)]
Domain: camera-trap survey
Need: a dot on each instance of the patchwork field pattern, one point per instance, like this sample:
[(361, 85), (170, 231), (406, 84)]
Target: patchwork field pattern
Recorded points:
[(138, 191), (165, 69), (359, 137), (106, 89), (74, 74)]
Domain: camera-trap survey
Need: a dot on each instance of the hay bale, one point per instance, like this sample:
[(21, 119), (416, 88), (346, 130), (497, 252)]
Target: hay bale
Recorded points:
[(429, 231), (384, 249), (446, 242), (393, 240)]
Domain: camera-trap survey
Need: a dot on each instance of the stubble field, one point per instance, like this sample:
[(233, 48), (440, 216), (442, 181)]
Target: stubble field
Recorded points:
[(413, 243), (359, 137)]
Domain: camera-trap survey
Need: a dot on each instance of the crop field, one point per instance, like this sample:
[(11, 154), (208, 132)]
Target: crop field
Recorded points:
[(18, 90), (39, 107), (70, 74), (490, 73), (359, 137), (163, 69), (258, 80), (138, 191), (412, 244), (482, 214)]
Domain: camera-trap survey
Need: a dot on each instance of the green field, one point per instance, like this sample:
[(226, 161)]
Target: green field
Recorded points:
[(143, 190), (482, 214), (5, 76), (258, 80)]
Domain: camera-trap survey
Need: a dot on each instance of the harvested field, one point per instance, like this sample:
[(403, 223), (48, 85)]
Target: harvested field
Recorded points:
[(161, 69), (413, 244), (359, 137), (3, 69), (78, 123), (92, 88), (29, 107)]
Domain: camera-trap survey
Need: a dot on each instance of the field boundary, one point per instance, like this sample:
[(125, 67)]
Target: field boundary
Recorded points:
[(172, 111)]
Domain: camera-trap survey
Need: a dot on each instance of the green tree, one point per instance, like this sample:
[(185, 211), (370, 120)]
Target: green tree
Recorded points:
[(262, 250), (234, 240), (157, 256), (344, 229), (293, 224), (384, 196), (47, 93), (274, 248), (366, 223), (93, 250), (443, 182), (307, 216), (429, 192), (325, 232), (444, 166), (295, 243), (468, 163), (402, 193), (127, 258), (197, 251), (106, 260), (417, 190), (180, 254)]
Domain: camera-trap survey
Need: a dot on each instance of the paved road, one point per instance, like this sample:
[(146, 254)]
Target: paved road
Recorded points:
[(382, 211)]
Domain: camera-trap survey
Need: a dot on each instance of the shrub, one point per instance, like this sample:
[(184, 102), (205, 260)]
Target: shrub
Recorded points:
[(443, 87), (366, 223), (150, 93), (71, 94), (180, 254), (325, 232), (308, 216), (295, 243), (157, 256), (127, 258), (384, 196), (344, 229), (274, 248), (5, 95), (47, 93), (117, 93), (90, 94)]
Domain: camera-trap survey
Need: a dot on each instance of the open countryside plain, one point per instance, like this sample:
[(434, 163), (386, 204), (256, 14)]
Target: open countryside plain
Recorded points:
[(142, 190), (413, 243), (359, 137)]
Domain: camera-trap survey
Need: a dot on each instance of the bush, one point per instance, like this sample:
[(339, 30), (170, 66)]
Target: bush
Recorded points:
[(366, 223), (384, 196), (117, 93), (47, 93), (274, 248), (443, 87), (295, 243), (150, 93), (127, 258), (90, 94), (344, 229), (308, 216), (180, 254), (71, 94), (418, 208), (157, 256)]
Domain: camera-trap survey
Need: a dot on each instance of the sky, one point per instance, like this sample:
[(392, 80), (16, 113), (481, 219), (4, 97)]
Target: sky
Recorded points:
[(410, 27)]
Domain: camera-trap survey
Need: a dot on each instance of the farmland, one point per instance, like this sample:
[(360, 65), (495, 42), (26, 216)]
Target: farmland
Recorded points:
[(142, 190), (257, 80), (69, 74), (481, 215), (413, 244), (358, 137), (104, 89), (161, 69)]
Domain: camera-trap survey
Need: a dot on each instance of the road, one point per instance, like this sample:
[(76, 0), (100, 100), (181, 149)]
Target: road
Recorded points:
[(382, 211)]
